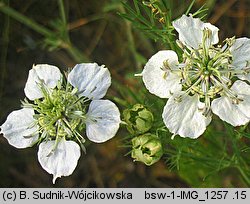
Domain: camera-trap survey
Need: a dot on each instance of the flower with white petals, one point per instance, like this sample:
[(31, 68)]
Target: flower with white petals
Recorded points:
[(59, 110), (208, 80)]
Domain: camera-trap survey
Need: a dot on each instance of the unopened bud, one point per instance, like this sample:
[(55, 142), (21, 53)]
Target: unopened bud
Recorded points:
[(139, 119), (146, 148)]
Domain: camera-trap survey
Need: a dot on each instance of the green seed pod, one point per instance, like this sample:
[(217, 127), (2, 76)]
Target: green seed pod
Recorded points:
[(146, 148), (138, 118)]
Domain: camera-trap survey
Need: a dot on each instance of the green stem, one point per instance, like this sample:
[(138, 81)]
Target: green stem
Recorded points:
[(23, 19), (205, 160), (244, 175), (73, 51), (76, 54), (131, 42), (62, 11)]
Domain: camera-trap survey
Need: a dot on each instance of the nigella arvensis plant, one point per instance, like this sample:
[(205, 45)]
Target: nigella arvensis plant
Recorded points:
[(59, 111), (210, 79)]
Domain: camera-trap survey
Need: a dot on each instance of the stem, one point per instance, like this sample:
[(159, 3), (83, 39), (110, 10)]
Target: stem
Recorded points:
[(73, 51), (76, 54), (131, 42), (62, 11), (244, 175), (23, 19), (205, 160)]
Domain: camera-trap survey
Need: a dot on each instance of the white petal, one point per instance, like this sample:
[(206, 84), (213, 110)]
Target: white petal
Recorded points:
[(60, 162), (241, 55), (103, 119), (48, 74), (90, 79), (235, 114), (184, 117), (191, 31), (19, 128), (158, 81)]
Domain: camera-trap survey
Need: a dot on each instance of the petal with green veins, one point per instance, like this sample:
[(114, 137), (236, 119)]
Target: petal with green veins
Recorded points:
[(103, 120), (41, 73), (240, 51), (90, 79), (19, 128), (184, 117), (59, 159), (191, 31), (159, 81), (234, 113)]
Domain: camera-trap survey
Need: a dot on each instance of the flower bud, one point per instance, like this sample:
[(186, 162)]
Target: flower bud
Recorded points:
[(139, 119), (146, 148)]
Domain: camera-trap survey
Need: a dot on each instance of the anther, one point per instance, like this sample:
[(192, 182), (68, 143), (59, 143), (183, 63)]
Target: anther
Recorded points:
[(178, 99), (166, 65), (236, 100), (180, 44)]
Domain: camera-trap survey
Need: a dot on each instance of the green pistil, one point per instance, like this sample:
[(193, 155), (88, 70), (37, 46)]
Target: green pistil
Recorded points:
[(204, 65), (59, 113)]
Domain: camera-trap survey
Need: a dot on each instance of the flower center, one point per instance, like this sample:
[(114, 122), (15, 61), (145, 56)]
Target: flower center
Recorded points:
[(60, 113), (206, 71)]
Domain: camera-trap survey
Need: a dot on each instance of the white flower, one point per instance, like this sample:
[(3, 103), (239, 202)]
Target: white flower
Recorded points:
[(203, 82), (58, 113)]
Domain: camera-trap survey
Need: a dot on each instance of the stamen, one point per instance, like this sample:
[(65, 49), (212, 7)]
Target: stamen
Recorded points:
[(173, 136), (229, 92), (224, 48), (191, 87), (166, 65), (186, 92), (230, 41), (206, 42), (237, 100), (138, 75), (180, 44), (226, 80)]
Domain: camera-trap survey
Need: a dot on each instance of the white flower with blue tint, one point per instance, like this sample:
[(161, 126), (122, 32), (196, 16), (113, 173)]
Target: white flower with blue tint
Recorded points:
[(209, 79), (58, 112)]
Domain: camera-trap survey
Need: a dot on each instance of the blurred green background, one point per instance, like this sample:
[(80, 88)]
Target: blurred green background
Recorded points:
[(102, 36)]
